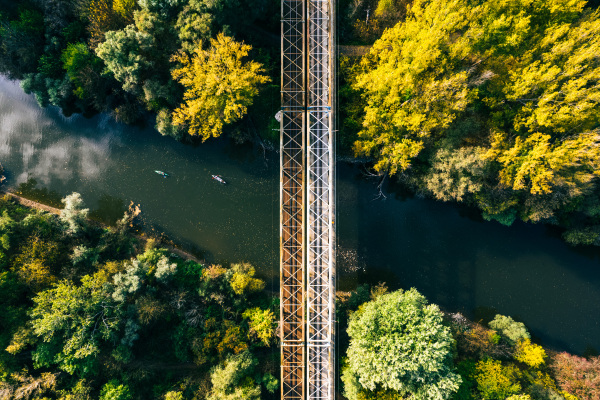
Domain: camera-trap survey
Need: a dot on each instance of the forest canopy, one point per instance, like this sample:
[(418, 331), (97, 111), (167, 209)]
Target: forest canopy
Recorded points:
[(128, 57), (490, 102)]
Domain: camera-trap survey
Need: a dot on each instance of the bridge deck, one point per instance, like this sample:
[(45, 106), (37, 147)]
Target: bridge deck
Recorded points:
[(307, 211)]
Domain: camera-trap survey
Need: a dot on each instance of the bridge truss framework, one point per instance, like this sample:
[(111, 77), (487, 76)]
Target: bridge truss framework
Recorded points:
[(307, 195)]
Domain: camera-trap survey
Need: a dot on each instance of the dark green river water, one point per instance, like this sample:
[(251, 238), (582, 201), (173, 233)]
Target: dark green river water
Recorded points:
[(447, 252)]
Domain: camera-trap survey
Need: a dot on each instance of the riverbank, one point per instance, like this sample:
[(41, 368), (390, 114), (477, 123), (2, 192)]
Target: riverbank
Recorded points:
[(142, 238)]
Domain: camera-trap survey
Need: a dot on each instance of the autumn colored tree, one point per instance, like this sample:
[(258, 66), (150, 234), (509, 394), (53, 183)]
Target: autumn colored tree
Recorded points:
[(102, 18), (494, 102), (219, 86), (262, 323), (496, 381), (577, 375), (529, 353)]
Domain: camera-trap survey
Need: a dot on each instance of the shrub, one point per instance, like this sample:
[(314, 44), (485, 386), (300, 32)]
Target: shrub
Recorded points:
[(496, 381), (530, 353), (509, 328)]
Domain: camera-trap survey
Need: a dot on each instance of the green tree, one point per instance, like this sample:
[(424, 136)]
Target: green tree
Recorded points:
[(219, 86), (84, 71), (510, 329), (233, 381), (261, 323), (73, 214), (72, 322), (194, 24), (398, 342), (114, 390), (125, 54)]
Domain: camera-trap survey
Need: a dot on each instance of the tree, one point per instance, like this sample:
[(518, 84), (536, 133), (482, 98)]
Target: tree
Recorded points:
[(73, 214), (410, 85), (34, 264), (496, 381), (510, 329), (125, 54), (114, 390), (194, 24), (398, 342), (232, 381), (242, 279), (219, 86), (577, 375), (84, 69), (72, 322), (261, 324), (530, 353), (456, 173), (102, 18)]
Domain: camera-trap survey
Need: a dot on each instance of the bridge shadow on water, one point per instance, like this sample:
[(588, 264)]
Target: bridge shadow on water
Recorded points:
[(463, 263)]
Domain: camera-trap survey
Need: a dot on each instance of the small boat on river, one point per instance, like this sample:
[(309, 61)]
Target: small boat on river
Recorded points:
[(163, 174), (219, 179)]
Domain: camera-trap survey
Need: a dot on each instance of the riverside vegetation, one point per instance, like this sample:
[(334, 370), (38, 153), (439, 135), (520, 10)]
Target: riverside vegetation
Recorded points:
[(401, 347), (490, 103), (88, 312)]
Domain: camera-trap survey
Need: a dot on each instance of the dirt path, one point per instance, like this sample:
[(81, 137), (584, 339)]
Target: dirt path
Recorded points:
[(39, 206)]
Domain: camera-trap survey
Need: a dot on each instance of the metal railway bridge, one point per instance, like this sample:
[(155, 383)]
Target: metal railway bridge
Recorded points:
[(307, 195)]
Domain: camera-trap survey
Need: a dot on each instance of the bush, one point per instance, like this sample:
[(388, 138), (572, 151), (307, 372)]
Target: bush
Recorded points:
[(510, 329), (530, 353), (496, 381), (115, 391)]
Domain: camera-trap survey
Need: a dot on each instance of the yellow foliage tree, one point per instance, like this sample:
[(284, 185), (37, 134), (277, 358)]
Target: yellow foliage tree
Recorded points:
[(242, 280), (412, 92), (538, 163), (530, 353), (219, 86), (125, 9), (496, 381), (32, 265), (261, 324), (102, 18)]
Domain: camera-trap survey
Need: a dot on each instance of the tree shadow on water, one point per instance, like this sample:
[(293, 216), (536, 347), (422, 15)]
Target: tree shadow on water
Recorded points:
[(43, 195), (110, 209)]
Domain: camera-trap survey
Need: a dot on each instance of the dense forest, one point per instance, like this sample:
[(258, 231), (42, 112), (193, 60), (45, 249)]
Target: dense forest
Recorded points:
[(194, 64), (491, 103), (94, 312)]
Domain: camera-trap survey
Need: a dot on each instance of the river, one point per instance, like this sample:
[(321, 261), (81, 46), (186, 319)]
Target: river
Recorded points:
[(444, 250)]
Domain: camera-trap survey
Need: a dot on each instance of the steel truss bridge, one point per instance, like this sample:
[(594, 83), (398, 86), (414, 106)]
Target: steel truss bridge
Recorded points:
[(307, 195)]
